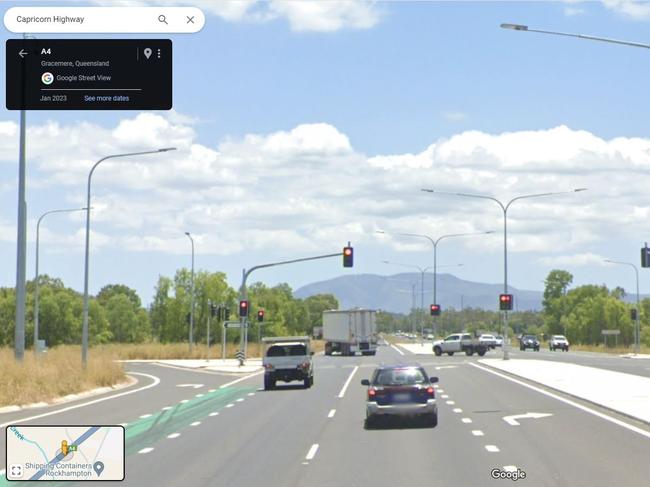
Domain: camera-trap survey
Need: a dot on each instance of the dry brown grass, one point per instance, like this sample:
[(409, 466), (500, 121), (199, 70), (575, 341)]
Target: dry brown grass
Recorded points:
[(56, 373), (615, 350)]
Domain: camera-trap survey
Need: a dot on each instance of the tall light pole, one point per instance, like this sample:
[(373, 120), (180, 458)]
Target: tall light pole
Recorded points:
[(504, 208), (191, 339), (525, 28), (84, 329), (434, 242), (36, 279), (637, 341)]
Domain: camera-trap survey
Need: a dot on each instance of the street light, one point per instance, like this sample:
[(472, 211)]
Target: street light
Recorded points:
[(637, 340), (84, 329), (191, 339), (36, 283), (435, 242), (504, 208), (525, 28)]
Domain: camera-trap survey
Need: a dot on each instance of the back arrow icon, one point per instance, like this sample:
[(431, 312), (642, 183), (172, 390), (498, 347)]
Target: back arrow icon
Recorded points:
[(22, 53)]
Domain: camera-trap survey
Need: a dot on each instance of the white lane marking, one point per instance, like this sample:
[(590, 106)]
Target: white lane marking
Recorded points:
[(492, 448), (251, 393), (193, 386), (477, 432), (195, 423), (240, 379), (230, 405), (146, 450), (215, 413), (457, 410), (155, 382), (305, 463), (438, 387), (185, 401), (568, 401), (211, 390), (173, 435), (440, 390), (397, 349), (240, 399), (145, 416), (166, 408), (312, 452), (466, 420), (443, 396), (199, 395), (332, 413), (347, 382), (512, 420), (446, 367), (510, 468), (451, 403)]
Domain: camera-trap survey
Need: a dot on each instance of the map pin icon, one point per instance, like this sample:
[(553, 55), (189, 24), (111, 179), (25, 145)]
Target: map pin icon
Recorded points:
[(147, 53), (98, 467)]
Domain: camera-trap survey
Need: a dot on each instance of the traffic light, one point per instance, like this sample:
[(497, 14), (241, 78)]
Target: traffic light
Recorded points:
[(505, 302), (226, 314), (435, 310), (260, 315), (243, 309), (215, 310), (645, 256), (348, 256), (633, 314)]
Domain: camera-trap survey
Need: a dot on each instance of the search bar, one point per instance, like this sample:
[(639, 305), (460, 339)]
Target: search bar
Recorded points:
[(82, 20)]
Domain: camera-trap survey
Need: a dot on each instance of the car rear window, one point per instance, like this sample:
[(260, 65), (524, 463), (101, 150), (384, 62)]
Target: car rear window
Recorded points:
[(286, 351), (399, 377)]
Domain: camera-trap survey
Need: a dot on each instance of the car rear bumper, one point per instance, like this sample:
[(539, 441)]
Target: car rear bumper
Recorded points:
[(411, 409)]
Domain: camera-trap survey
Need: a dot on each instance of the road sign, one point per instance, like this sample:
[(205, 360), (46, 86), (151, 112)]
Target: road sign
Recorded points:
[(611, 332), (234, 324), (512, 420)]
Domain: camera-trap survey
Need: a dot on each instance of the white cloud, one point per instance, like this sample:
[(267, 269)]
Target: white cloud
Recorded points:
[(575, 260), (302, 15), (454, 116), (573, 11), (635, 9), (308, 187)]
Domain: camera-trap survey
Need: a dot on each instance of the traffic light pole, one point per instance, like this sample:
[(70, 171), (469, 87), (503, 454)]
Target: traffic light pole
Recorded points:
[(243, 293)]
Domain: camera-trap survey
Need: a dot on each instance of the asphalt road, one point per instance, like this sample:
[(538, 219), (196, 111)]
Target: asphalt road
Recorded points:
[(296, 437)]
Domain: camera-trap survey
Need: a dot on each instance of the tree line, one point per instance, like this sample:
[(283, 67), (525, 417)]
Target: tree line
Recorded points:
[(116, 313)]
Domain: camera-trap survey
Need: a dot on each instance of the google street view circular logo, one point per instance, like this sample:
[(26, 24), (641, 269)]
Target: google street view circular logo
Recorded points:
[(47, 78)]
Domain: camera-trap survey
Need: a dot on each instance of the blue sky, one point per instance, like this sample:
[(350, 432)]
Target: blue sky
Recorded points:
[(301, 139)]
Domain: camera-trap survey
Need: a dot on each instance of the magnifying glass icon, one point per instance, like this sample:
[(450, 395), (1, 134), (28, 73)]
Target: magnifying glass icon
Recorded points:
[(163, 19)]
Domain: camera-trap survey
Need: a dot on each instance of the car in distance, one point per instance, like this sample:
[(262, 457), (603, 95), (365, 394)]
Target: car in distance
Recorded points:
[(558, 341), (529, 341), (400, 391), (488, 340), (287, 359), (498, 341)]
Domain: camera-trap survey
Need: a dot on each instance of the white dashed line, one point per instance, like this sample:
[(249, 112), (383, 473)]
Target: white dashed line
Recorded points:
[(312, 452), (440, 390), (251, 393), (212, 390), (230, 405), (146, 450), (166, 408), (199, 395), (477, 432), (444, 396), (347, 382), (240, 399), (145, 416), (437, 387), (173, 435), (195, 423), (185, 401), (332, 413), (457, 410), (466, 420), (491, 448), (397, 350), (214, 414), (451, 403)]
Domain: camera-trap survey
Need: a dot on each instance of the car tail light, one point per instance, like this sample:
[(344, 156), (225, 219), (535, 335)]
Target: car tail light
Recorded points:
[(269, 367), (304, 365), (431, 391), (371, 393)]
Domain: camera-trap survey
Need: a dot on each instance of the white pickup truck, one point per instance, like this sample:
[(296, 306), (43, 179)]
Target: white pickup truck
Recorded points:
[(459, 342), (287, 359)]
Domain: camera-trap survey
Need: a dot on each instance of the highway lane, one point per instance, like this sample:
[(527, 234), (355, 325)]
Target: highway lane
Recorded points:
[(296, 437)]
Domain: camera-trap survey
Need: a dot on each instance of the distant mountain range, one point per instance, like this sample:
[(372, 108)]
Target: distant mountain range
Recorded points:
[(394, 293)]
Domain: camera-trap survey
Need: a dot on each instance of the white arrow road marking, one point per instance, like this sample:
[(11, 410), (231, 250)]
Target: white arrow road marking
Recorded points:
[(194, 386), (512, 420)]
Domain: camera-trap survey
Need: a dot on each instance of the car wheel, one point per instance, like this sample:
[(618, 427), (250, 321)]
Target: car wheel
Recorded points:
[(481, 353), (469, 352), (433, 420), (307, 383), (450, 353), (437, 351)]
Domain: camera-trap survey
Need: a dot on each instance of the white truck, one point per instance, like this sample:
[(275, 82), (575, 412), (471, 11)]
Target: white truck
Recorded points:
[(350, 331), (287, 359)]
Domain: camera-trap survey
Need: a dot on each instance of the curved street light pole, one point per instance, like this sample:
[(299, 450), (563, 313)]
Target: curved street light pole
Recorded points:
[(84, 327), (191, 337), (36, 260), (504, 209), (637, 341)]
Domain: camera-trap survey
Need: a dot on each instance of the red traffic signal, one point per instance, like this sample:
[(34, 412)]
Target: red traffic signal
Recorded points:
[(260, 315), (435, 310), (243, 309), (348, 257), (505, 302)]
